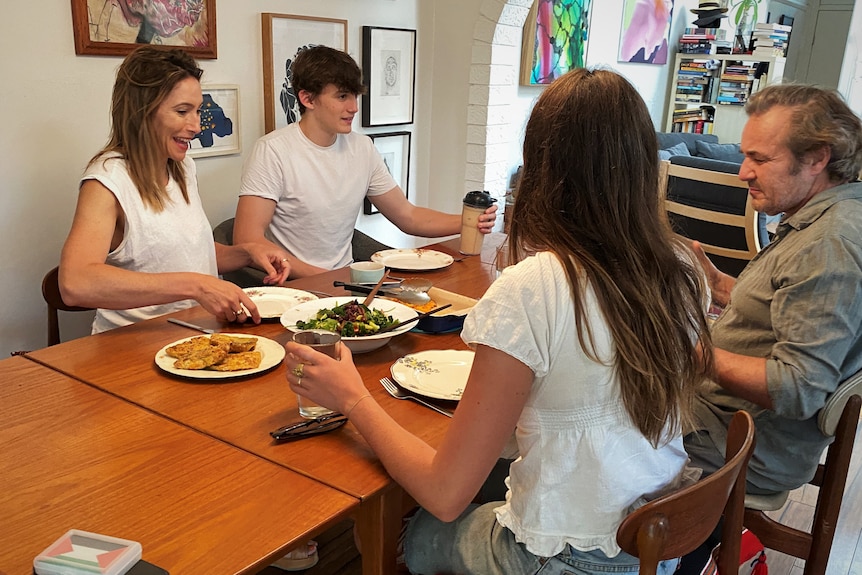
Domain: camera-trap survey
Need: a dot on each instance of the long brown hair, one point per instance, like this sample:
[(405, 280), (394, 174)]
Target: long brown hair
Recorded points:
[(589, 194), (144, 80)]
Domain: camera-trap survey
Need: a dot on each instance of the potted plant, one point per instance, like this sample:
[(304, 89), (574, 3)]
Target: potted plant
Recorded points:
[(744, 14)]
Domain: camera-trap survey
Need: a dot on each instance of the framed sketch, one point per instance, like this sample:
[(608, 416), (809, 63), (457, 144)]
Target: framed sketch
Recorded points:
[(394, 148), (116, 27), (219, 135), (389, 72), (554, 40), (284, 36)]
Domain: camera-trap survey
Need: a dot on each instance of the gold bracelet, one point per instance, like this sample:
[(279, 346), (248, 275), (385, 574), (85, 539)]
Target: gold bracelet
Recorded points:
[(352, 407)]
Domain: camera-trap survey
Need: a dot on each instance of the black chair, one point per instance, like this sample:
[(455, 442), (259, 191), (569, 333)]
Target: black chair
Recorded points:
[(713, 207)]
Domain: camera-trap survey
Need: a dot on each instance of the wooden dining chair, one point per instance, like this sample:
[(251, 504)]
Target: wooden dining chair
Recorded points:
[(715, 209), (51, 293), (678, 523), (839, 419)]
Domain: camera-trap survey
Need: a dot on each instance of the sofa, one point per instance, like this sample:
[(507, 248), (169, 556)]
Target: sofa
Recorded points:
[(703, 146)]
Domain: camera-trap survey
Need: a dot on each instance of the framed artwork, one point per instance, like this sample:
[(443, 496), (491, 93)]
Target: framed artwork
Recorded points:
[(389, 72), (646, 30), (116, 27), (219, 135), (555, 40), (284, 36), (394, 148)]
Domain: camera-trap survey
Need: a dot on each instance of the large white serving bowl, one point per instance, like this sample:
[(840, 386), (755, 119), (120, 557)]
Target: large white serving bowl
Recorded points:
[(360, 344)]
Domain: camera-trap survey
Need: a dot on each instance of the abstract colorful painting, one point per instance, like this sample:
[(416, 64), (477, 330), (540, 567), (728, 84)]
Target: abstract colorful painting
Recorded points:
[(646, 27), (555, 40)]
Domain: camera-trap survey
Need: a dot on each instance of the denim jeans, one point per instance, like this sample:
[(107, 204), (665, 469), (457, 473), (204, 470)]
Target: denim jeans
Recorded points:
[(476, 544)]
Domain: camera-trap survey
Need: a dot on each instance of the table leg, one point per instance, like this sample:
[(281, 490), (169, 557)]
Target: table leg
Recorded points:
[(378, 522)]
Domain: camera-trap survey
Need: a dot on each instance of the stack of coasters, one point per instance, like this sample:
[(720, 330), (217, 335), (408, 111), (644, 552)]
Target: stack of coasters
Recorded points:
[(84, 553)]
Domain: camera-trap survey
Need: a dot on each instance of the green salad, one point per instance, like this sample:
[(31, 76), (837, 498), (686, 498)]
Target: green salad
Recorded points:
[(350, 319)]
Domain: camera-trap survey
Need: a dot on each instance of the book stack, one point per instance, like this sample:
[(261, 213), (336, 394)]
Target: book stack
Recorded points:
[(694, 81), (735, 84), (700, 40), (770, 40), (693, 120)]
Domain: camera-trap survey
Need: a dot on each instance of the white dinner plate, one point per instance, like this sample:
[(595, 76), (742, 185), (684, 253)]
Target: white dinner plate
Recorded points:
[(413, 260), (272, 301), (441, 374), (271, 353), (307, 310)]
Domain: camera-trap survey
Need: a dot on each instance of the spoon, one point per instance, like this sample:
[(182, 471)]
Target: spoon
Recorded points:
[(373, 291)]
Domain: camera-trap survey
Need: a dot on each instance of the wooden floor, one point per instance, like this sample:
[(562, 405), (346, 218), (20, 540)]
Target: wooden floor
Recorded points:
[(338, 554)]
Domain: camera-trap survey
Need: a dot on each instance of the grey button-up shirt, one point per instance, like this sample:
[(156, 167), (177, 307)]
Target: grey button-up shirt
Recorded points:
[(798, 303)]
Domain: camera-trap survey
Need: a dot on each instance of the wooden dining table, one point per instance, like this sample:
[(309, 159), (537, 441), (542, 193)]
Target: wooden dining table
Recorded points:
[(75, 457), (241, 412)]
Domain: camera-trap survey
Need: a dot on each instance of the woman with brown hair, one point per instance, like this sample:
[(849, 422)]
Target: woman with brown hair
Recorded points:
[(588, 351), (140, 244)]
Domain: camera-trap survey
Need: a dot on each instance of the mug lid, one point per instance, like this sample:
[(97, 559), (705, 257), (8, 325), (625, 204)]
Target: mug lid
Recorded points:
[(479, 199)]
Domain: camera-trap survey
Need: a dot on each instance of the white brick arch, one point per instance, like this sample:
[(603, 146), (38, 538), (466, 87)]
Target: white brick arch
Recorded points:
[(493, 88)]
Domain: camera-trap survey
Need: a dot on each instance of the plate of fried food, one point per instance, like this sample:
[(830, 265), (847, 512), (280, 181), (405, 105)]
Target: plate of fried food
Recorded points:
[(220, 356)]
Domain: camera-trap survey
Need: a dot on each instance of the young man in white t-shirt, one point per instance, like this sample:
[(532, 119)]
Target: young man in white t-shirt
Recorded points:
[(304, 184)]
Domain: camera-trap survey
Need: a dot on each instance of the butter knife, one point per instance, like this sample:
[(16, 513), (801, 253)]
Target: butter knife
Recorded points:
[(190, 325)]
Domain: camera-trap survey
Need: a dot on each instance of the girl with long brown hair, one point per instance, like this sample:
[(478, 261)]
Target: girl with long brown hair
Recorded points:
[(588, 351)]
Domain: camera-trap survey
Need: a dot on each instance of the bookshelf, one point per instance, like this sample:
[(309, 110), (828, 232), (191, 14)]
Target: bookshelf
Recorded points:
[(708, 91)]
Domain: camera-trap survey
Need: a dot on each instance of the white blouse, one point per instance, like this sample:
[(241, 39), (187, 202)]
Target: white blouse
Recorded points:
[(583, 465)]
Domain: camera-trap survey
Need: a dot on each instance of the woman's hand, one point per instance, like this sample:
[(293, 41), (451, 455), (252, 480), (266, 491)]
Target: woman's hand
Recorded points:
[(335, 384), (225, 300)]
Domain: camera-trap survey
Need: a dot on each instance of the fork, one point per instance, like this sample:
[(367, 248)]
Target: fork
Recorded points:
[(398, 393)]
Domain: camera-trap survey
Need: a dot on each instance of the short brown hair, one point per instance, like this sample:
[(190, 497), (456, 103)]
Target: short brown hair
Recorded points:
[(820, 117), (316, 67)]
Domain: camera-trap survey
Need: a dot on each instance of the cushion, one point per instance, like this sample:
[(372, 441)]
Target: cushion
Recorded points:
[(669, 139), (679, 150), (724, 152)]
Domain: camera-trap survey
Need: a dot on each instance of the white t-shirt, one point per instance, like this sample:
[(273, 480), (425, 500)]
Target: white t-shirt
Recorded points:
[(318, 190), (177, 239), (583, 465)]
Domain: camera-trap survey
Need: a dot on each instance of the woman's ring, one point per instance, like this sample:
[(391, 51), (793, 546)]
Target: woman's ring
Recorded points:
[(297, 371), (239, 311), (283, 259)]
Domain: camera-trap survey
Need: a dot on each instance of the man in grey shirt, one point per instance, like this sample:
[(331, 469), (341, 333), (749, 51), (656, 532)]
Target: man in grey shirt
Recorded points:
[(791, 330)]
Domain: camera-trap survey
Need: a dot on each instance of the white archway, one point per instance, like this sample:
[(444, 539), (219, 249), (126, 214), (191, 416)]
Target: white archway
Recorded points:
[(493, 89)]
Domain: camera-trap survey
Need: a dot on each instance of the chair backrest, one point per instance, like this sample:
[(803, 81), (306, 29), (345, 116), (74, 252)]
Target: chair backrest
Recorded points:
[(678, 523), (51, 293), (827, 418), (838, 418), (715, 209)]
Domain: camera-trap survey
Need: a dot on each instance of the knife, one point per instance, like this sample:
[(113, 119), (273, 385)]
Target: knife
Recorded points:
[(190, 325)]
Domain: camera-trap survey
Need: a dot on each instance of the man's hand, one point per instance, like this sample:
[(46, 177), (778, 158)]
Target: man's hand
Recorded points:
[(719, 282)]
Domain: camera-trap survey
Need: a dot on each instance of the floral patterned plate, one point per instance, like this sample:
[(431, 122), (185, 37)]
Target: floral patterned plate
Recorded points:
[(441, 374)]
